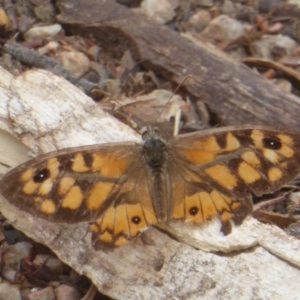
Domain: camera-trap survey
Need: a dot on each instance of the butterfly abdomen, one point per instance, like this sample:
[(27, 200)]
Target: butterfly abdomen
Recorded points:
[(159, 194)]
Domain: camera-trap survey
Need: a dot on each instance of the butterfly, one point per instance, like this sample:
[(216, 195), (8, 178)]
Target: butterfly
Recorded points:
[(123, 188)]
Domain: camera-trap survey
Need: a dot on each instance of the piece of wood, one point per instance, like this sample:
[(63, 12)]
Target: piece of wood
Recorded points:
[(155, 266), (231, 90)]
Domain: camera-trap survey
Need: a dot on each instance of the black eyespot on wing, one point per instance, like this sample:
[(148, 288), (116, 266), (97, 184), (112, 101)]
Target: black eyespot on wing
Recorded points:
[(272, 143), (136, 220), (41, 175), (193, 210)]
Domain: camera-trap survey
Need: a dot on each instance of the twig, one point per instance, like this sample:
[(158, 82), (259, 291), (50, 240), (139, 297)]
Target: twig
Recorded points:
[(33, 58)]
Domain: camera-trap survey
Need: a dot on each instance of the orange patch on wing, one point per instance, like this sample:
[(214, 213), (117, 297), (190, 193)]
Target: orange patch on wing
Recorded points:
[(226, 216), (27, 175), (121, 220), (232, 204), (105, 237), (271, 156), (93, 228), (208, 207), (286, 151), (115, 169), (108, 166), (78, 164), (209, 144), (65, 184), (222, 175), (198, 157), (99, 161), (73, 199), (235, 205), (202, 151), (178, 211), (178, 188), (30, 187), (48, 207), (248, 173), (45, 187), (53, 167), (219, 201), (251, 158), (274, 174), (121, 241), (108, 219), (257, 138), (232, 142), (98, 193), (150, 216), (286, 139)]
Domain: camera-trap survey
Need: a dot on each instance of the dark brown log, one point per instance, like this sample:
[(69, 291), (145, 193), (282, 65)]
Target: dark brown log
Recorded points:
[(231, 90)]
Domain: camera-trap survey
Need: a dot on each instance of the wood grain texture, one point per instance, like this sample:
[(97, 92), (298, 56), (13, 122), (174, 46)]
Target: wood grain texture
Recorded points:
[(157, 266)]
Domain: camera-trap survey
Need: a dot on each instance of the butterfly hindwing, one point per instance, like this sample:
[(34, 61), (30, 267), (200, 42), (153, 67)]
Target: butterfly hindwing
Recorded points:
[(131, 212), (197, 199)]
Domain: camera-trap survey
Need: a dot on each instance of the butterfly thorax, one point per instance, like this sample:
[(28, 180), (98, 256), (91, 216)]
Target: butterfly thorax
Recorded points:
[(154, 152), (154, 148)]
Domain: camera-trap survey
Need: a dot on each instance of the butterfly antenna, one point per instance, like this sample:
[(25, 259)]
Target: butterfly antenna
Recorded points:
[(177, 88)]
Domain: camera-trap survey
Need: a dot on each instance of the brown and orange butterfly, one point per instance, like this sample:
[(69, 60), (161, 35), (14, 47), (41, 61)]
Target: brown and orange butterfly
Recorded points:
[(123, 188)]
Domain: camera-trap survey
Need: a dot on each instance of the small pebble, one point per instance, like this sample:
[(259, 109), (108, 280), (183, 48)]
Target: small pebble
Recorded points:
[(9, 292), (162, 11), (223, 28), (199, 20), (66, 292), (75, 62), (42, 32), (43, 294), (268, 45)]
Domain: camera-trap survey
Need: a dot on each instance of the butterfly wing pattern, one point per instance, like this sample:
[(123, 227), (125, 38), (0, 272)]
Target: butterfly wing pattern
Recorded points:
[(231, 165), (123, 188)]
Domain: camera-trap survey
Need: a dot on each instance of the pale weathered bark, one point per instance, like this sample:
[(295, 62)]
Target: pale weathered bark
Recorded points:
[(47, 113)]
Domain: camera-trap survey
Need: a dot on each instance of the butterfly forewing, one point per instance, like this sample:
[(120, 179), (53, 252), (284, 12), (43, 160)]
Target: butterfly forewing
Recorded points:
[(71, 185)]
